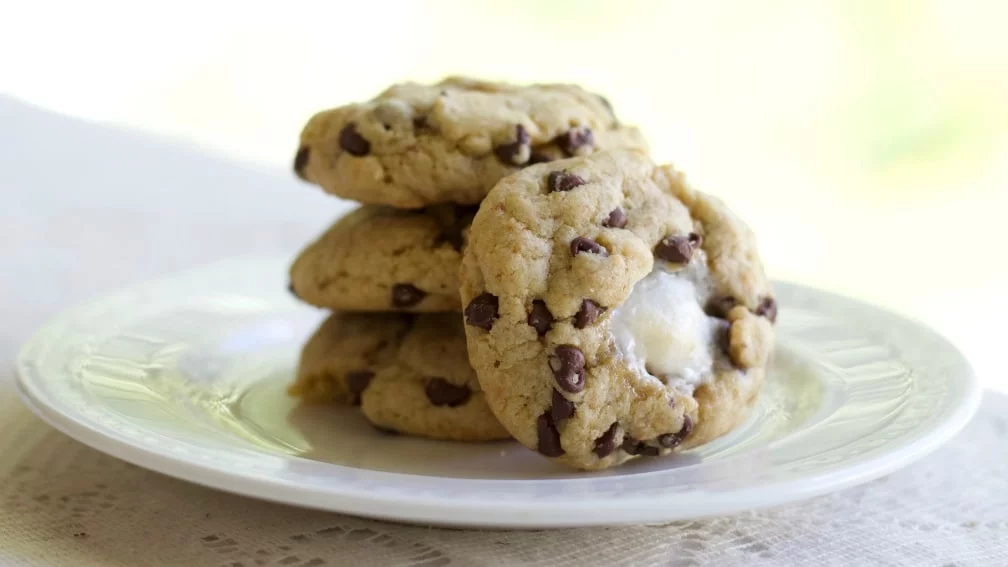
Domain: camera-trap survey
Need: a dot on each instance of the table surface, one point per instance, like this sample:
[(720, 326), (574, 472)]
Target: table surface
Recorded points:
[(90, 209)]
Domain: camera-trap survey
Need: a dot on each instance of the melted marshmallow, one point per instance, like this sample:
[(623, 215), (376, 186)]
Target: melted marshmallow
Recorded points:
[(662, 331)]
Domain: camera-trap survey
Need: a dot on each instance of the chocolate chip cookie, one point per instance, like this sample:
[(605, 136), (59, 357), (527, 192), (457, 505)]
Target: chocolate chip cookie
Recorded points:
[(612, 311), (409, 374), (415, 145), (385, 259)]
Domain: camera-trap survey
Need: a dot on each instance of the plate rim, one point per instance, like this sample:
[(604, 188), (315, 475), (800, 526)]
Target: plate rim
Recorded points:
[(522, 514)]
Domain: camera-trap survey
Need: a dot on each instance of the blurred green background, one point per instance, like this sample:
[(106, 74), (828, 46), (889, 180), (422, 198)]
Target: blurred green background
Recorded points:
[(866, 142)]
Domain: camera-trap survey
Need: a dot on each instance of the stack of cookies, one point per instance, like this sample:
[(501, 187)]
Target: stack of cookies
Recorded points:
[(519, 267)]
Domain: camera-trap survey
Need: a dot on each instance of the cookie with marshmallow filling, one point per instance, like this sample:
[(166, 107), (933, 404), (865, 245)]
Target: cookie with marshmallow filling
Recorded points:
[(613, 312)]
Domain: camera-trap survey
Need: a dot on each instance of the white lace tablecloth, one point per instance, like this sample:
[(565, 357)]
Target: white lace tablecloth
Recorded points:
[(87, 209)]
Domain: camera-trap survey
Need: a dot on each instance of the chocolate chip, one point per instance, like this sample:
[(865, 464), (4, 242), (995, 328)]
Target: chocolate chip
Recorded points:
[(645, 450), (352, 142), (568, 368), (606, 443), (549, 437), (695, 240), (512, 153), (675, 249), (670, 440), (720, 306), (540, 317), (420, 123), (563, 181), (587, 314), (574, 139), (443, 393), (768, 308), (562, 408), (301, 160), (406, 295), (635, 447), (357, 382), (584, 244), (482, 311), (538, 157), (616, 219)]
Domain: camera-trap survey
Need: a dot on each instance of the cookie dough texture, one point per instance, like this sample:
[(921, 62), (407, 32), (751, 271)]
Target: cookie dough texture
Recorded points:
[(553, 250), (409, 374), (415, 144), (385, 259)]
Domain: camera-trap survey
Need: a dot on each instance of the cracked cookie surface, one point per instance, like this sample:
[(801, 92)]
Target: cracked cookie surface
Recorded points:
[(409, 374), (384, 259), (613, 312), (415, 145)]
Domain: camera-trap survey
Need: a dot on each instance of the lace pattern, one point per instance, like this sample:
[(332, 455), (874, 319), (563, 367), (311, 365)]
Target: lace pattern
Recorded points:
[(64, 504)]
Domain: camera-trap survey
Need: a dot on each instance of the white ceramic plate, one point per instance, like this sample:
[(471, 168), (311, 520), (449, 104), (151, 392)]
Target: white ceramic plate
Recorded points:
[(186, 376)]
